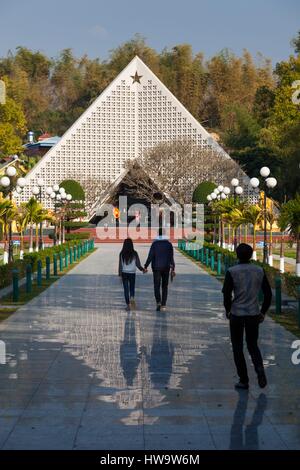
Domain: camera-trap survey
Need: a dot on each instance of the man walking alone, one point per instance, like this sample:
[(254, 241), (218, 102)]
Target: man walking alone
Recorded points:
[(245, 280), (161, 257)]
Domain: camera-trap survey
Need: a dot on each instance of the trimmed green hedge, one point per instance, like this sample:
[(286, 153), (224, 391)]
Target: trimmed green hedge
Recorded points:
[(73, 225), (77, 236), (29, 258), (290, 282)]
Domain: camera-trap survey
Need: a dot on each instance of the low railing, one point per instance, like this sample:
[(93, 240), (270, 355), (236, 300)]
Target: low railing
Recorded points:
[(218, 261)]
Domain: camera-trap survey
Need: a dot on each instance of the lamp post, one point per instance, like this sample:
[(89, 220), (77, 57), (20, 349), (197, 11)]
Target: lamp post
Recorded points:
[(269, 183), (65, 199), (53, 193), (219, 193), (37, 191), (59, 196), (10, 184), (237, 191)]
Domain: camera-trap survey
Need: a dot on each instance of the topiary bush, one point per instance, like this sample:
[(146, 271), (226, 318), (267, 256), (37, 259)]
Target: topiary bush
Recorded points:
[(74, 188), (202, 191)]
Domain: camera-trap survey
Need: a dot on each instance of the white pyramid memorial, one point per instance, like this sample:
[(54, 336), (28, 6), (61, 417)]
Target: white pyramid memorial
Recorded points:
[(136, 111)]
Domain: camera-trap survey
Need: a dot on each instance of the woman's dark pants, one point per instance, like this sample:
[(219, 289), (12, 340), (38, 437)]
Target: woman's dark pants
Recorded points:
[(129, 286)]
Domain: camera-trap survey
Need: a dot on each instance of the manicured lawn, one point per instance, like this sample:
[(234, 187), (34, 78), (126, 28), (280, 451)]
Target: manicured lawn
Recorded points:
[(5, 312), (288, 319), (288, 253)]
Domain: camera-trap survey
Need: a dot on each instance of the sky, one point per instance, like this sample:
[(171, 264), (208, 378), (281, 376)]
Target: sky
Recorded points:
[(94, 27)]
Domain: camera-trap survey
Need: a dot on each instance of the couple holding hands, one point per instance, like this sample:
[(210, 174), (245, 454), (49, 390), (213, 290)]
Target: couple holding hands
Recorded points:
[(161, 257)]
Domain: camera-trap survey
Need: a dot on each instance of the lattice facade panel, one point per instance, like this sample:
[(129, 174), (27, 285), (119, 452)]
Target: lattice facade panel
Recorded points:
[(135, 112)]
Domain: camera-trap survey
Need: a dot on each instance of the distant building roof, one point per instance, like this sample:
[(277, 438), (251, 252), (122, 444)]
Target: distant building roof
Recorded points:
[(45, 142), (44, 136)]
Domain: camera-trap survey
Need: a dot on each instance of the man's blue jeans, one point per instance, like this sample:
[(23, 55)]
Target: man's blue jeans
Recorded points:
[(129, 286)]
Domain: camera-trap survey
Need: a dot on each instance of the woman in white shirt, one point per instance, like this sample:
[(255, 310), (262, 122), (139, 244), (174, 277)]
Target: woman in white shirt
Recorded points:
[(128, 262)]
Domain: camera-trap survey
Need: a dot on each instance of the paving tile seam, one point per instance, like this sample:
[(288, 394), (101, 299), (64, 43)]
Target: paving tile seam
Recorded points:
[(28, 403)]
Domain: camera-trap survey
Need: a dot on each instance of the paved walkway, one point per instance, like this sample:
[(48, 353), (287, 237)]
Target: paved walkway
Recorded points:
[(82, 373)]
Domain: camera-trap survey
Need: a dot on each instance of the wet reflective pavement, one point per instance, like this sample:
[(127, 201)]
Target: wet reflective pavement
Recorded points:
[(82, 373)]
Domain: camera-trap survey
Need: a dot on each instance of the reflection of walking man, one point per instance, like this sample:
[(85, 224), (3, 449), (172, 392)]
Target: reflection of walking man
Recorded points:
[(245, 280), (161, 257)]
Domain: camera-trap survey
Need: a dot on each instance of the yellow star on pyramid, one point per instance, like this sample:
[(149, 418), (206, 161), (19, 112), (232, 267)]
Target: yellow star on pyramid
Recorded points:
[(136, 78)]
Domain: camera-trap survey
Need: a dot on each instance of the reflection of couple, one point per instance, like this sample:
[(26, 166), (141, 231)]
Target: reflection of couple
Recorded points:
[(159, 359), (161, 257)]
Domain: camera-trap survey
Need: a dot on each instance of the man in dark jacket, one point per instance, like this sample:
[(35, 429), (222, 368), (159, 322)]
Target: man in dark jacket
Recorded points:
[(246, 280), (161, 257)]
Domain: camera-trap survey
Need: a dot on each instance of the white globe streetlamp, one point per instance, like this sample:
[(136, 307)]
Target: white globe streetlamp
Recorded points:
[(11, 171), (264, 171), (35, 190), (234, 182), (5, 181), (254, 182), (10, 186), (271, 182), (21, 182), (239, 190)]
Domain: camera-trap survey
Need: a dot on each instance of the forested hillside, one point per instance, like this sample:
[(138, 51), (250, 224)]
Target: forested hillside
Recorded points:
[(242, 99)]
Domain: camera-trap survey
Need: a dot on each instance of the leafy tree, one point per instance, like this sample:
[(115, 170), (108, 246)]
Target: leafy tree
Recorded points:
[(243, 130), (184, 74), (263, 104), (123, 54), (296, 43), (289, 220), (285, 112), (12, 127)]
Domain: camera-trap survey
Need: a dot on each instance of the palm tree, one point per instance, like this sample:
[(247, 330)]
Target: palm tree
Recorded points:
[(21, 222), (253, 214), (5, 204), (237, 218), (224, 208), (271, 219), (233, 213), (289, 220), (33, 208), (7, 213), (40, 216)]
